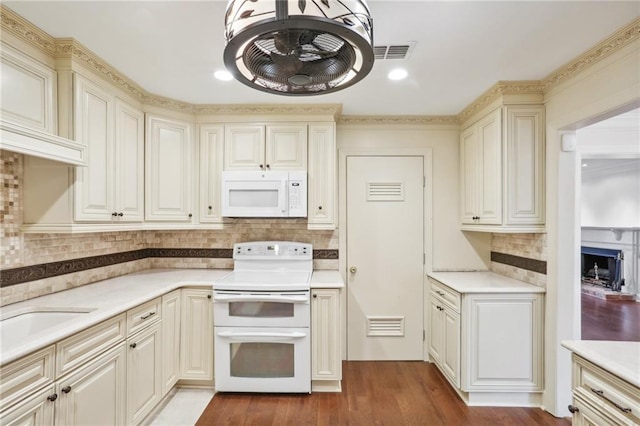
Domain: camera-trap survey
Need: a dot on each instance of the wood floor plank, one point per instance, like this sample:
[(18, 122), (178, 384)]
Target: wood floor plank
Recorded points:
[(610, 319), (374, 393)]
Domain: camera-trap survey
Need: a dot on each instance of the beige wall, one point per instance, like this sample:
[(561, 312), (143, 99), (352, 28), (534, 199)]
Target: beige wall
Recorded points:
[(451, 248)]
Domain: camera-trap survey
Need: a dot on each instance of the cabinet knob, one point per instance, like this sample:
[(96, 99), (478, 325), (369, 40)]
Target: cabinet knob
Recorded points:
[(315, 295), (208, 296), (133, 345), (573, 409), (52, 397), (261, 167), (319, 207), (114, 214), (120, 214), (190, 215), (268, 166), (66, 389), (210, 208)]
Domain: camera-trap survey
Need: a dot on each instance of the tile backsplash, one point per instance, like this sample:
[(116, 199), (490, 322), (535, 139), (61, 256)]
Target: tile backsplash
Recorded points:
[(21, 250), (530, 248)]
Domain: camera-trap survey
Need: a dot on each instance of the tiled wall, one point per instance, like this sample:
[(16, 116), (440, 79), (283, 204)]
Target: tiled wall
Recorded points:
[(19, 250), (525, 246)]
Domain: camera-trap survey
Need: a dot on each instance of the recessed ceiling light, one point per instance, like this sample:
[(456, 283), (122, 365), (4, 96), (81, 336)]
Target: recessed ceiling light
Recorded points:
[(397, 74), (223, 75), (584, 164)]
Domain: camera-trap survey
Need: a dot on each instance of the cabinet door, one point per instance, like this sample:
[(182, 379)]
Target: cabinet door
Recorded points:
[(36, 410), (244, 147), (587, 415), (196, 362), (93, 118), (524, 162), (512, 323), (171, 307), (326, 357), (322, 176), (144, 370), (211, 164), (95, 394), (489, 164), (170, 169), (450, 359), (468, 175), (435, 330), (286, 147), (129, 164)]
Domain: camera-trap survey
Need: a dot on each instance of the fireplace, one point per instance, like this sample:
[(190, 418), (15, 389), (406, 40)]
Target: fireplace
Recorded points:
[(603, 267)]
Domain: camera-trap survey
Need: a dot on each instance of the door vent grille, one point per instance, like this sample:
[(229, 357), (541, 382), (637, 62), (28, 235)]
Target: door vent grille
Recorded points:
[(385, 191), (385, 326), (394, 51)]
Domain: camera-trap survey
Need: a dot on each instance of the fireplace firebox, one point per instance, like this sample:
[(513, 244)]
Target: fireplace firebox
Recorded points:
[(603, 267)]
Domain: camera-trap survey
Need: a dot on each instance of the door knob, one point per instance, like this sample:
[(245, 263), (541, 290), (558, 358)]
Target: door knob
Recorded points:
[(353, 269)]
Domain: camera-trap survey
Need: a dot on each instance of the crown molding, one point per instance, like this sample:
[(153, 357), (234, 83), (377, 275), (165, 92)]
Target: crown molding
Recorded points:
[(621, 38), (416, 120), (25, 30), (501, 88), (268, 109)]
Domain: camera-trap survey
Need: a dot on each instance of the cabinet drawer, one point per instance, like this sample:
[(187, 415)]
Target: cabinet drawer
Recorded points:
[(612, 395), (81, 347), (26, 375), (450, 297), (143, 315)]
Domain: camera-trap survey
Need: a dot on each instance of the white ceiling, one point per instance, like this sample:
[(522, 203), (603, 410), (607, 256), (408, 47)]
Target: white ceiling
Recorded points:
[(172, 48)]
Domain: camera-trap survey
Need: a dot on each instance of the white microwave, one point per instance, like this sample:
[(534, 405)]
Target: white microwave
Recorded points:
[(264, 194)]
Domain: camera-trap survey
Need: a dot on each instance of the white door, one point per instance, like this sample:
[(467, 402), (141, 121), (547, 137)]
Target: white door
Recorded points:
[(385, 249)]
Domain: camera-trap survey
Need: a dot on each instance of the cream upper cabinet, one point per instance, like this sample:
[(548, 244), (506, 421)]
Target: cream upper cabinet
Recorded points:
[(170, 171), (502, 171), (28, 91), (326, 355), (322, 171), (196, 362), (211, 164), (255, 147), (109, 189)]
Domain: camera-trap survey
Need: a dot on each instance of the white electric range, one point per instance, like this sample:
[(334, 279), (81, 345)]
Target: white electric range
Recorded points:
[(261, 319)]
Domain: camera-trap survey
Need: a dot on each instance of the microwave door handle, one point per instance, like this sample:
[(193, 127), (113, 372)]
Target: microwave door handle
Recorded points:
[(259, 298), (261, 336)]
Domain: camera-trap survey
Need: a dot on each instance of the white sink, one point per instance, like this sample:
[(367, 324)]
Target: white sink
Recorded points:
[(31, 321)]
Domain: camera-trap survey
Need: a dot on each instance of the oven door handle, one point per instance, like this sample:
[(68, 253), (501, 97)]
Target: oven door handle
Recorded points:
[(221, 297), (261, 336)]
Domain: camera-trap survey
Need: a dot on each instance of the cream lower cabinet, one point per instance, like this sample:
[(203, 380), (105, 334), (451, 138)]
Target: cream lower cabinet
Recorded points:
[(144, 369), (171, 308), (488, 345), (326, 356), (196, 338), (95, 392), (38, 409)]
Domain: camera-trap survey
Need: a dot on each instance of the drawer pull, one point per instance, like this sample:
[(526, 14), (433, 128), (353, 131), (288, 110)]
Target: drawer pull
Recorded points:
[(133, 345), (573, 409), (150, 314), (600, 393), (440, 293)]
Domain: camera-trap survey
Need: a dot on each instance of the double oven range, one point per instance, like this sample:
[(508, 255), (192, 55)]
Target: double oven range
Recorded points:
[(262, 314)]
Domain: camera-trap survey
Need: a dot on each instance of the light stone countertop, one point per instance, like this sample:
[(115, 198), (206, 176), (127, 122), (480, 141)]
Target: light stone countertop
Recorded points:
[(114, 296), (483, 282), (622, 359)]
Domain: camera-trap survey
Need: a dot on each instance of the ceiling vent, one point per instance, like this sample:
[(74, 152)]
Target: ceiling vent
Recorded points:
[(316, 47), (394, 51)]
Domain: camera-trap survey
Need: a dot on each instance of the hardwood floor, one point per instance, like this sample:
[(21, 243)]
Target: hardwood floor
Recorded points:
[(374, 393), (610, 319)]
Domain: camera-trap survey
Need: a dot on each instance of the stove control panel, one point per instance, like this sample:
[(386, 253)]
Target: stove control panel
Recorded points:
[(276, 250)]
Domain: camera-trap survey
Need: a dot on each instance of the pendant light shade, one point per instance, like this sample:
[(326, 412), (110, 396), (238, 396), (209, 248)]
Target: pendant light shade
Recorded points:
[(298, 47)]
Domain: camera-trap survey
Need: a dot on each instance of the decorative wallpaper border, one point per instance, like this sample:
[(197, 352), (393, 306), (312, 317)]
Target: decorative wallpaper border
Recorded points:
[(535, 265), (9, 277), (66, 47)]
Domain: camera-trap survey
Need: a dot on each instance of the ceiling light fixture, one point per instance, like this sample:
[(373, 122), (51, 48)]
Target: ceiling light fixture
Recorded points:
[(319, 46), (223, 75), (398, 74)]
